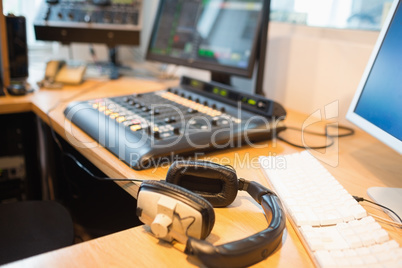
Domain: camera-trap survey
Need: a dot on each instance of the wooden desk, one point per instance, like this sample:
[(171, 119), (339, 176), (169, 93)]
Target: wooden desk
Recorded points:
[(358, 162)]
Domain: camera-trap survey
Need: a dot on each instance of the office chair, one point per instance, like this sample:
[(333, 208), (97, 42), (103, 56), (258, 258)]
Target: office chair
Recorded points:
[(28, 228)]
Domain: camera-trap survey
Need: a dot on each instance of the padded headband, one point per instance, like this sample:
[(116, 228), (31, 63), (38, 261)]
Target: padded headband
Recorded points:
[(216, 183), (250, 250), (219, 185)]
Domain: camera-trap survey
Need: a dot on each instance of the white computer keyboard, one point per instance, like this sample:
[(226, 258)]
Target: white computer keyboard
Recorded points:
[(333, 226)]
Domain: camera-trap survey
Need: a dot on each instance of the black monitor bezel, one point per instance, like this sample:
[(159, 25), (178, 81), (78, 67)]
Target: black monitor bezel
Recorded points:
[(204, 65)]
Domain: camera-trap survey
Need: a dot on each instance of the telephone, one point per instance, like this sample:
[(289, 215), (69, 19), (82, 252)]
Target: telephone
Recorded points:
[(58, 73)]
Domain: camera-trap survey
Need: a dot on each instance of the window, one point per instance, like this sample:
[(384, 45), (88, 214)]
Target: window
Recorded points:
[(344, 14)]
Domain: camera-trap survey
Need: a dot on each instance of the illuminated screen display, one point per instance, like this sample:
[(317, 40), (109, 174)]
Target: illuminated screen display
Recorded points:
[(381, 99), (215, 35)]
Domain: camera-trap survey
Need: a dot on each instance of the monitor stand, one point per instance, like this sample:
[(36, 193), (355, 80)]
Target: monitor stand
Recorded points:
[(221, 78), (111, 68), (388, 197)]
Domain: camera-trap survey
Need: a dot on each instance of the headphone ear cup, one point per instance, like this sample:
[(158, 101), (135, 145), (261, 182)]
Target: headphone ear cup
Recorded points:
[(187, 197), (216, 183)]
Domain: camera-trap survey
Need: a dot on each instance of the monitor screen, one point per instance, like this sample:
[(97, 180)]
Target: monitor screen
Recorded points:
[(217, 35), (376, 107)]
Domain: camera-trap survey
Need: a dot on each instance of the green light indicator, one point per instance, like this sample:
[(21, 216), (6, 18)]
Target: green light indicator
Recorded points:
[(195, 83), (209, 53), (215, 90), (252, 102), (223, 93)]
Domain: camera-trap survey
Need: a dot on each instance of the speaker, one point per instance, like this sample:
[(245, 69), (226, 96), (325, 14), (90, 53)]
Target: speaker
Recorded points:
[(181, 208), (17, 47)]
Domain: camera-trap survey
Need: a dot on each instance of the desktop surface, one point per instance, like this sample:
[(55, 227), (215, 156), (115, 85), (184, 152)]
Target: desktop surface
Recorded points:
[(362, 162)]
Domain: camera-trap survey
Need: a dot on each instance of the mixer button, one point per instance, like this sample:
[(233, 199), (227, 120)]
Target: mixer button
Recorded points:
[(121, 119), (154, 112), (135, 127)]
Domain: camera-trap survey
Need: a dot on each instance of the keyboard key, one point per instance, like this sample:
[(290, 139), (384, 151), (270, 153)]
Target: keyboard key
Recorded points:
[(335, 226)]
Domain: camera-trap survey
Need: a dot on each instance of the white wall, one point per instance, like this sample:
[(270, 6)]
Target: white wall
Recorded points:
[(308, 68)]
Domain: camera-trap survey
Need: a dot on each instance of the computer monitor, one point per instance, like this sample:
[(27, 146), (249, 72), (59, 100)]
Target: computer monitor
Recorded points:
[(225, 37), (376, 106)]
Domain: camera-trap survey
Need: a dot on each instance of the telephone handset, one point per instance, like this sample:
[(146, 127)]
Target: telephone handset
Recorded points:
[(58, 73), (52, 68)]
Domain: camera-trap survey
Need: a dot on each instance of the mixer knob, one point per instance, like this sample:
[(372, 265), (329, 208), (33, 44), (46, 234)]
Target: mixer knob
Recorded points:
[(156, 134), (169, 120), (87, 18), (106, 18), (176, 130), (154, 112), (191, 111)]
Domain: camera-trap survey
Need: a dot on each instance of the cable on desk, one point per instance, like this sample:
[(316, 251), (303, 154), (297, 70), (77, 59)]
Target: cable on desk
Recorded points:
[(326, 133), (79, 164), (66, 100), (361, 199)]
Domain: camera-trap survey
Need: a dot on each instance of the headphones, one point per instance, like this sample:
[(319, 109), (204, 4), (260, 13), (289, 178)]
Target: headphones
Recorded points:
[(181, 208)]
